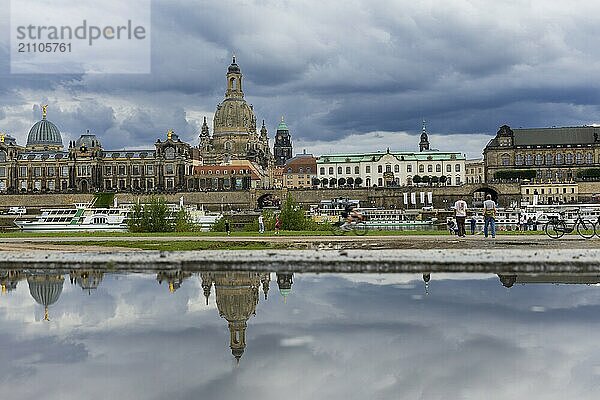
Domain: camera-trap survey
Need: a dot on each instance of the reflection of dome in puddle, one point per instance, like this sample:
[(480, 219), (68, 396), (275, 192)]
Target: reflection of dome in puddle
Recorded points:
[(285, 282), (87, 280), (45, 288), (9, 280), (237, 297), (174, 278)]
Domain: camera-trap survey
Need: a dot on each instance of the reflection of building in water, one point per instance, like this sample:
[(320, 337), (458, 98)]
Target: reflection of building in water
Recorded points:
[(508, 280), (173, 278), (9, 279), (237, 297), (284, 282), (45, 287), (426, 279), (87, 279)]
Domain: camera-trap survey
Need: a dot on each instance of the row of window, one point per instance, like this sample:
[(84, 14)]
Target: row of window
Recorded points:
[(388, 168), (549, 159), (225, 172), (550, 191), (86, 170), (301, 170)]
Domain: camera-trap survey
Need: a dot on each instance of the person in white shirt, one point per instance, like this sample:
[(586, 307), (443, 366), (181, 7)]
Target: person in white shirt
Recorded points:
[(261, 224), (460, 210)]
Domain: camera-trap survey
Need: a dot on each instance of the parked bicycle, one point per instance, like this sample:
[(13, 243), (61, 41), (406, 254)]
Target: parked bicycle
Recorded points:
[(359, 228), (556, 227)]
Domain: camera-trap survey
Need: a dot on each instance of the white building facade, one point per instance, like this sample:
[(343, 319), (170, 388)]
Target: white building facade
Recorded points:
[(391, 169)]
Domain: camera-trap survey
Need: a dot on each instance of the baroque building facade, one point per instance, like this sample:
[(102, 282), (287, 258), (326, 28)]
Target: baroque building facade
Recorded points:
[(555, 154), (43, 165), (235, 135)]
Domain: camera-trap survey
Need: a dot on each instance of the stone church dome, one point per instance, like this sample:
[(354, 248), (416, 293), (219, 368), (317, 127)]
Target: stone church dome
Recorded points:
[(234, 115), (44, 133)]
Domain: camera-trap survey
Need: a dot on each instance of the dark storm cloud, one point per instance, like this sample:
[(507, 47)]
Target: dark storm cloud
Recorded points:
[(466, 67)]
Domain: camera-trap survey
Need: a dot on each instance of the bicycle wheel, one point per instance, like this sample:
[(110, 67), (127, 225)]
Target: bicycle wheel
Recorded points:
[(597, 228), (586, 229), (555, 229), (361, 229), (337, 230)]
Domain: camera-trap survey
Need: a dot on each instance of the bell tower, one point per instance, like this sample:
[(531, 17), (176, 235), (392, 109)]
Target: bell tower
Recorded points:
[(424, 143), (234, 81)]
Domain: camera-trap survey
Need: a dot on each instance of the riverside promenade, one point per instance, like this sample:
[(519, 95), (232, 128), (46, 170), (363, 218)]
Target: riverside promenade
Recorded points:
[(399, 253)]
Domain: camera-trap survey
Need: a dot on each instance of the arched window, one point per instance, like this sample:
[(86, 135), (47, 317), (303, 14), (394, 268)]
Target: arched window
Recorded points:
[(569, 158), (379, 168), (438, 167), (579, 158), (421, 168), (322, 170), (348, 170), (559, 158), (356, 170), (539, 159), (505, 159), (388, 168), (448, 168), (368, 182), (339, 170), (457, 169), (330, 170), (396, 168), (2, 156), (549, 159), (228, 146), (528, 159), (430, 168), (589, 158), (519, 159)]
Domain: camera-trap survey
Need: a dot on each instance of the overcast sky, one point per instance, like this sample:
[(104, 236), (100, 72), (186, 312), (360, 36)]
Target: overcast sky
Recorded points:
[(367, 70)]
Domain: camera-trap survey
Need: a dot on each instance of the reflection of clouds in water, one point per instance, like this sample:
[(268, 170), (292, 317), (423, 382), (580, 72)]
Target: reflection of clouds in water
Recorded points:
[(335, 338)]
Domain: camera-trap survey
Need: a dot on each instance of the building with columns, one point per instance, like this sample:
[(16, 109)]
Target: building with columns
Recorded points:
[(390, 168), (234, 134), (43, 165), (551, 154)]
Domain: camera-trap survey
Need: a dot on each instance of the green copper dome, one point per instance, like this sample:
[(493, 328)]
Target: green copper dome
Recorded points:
[(282, 126)]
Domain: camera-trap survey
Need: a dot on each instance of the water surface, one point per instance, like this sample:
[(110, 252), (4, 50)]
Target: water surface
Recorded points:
[(98, 335)]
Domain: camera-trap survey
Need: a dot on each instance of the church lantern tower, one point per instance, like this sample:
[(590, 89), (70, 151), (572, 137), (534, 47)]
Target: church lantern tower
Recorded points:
[(282, 149), (424, 143)]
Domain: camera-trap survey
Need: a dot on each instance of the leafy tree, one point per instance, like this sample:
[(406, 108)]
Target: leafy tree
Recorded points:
[(350, 181), (358, 181), (315, 181), (426, 179), (435, 179), (443, 179), (183, 222), (292, 216), (416, 179), (332, 182), (135, 220), (324, 181), (341, 181)]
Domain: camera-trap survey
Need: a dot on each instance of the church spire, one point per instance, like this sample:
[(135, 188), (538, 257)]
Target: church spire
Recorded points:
[(424, 143)]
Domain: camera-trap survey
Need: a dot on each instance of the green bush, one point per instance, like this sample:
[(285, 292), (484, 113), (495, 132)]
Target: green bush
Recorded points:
[(219, 226), (515, 174), (154, 216), (292, 216), (589, 173)]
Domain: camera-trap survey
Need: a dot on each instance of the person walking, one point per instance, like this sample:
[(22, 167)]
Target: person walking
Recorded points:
[(473, 224), (489, 215), (227, 227), (535, 223), (261, 224), (460, 211), (277, 224)]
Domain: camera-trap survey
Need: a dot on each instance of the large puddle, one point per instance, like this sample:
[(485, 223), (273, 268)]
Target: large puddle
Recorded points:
[(232, 335)]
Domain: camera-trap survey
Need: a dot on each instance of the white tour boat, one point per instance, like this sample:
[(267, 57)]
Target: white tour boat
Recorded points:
[(83, 217)]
